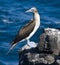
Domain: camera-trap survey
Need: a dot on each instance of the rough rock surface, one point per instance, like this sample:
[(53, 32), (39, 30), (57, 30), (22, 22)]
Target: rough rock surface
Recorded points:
[(53, 39), (46, 52)]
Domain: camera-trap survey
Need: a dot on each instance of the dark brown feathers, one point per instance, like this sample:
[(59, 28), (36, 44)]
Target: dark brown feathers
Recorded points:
[(24, 32)]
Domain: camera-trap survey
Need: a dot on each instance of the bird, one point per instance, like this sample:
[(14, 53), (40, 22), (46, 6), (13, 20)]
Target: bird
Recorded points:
[(28, 30)]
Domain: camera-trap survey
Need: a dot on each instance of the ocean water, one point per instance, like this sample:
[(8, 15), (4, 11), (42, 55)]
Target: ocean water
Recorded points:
[(13, 17)]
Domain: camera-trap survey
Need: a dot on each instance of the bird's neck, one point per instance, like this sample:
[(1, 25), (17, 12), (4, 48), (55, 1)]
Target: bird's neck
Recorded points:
[(36, 17)]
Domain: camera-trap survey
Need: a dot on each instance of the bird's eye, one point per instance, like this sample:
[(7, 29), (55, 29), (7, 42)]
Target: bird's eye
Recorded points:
[(33, 10)]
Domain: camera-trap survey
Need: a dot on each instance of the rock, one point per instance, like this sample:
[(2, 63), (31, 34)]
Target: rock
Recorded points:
[(58, 61), (45, 52), (53, 37), (42, 44), (33, 57), (50, 59)]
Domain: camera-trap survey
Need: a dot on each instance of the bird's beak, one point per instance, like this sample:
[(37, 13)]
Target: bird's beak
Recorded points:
[(29, 10)]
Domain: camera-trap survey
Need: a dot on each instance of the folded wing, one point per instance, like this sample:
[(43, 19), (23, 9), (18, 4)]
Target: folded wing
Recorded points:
[(24, 32)]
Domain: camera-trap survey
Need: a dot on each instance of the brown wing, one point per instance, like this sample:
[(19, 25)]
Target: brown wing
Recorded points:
[(24, 32)]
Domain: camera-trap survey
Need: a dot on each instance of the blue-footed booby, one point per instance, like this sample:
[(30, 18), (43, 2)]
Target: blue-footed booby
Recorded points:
[(28, 30)]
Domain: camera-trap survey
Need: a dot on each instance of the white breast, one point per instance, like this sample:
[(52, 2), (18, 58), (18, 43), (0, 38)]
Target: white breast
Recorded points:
[(37, 24)]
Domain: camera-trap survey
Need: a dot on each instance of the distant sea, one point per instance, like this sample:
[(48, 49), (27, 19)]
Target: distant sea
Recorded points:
[(13, 17)]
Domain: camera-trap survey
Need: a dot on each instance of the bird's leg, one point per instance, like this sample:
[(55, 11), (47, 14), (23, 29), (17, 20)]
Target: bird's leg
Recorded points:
[(28, 41)]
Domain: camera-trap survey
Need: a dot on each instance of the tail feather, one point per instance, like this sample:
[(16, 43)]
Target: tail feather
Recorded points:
[(11, 48), (13, 44)]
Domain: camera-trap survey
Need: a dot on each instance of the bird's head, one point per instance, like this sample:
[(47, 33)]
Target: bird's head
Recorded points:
[(33, 10)]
